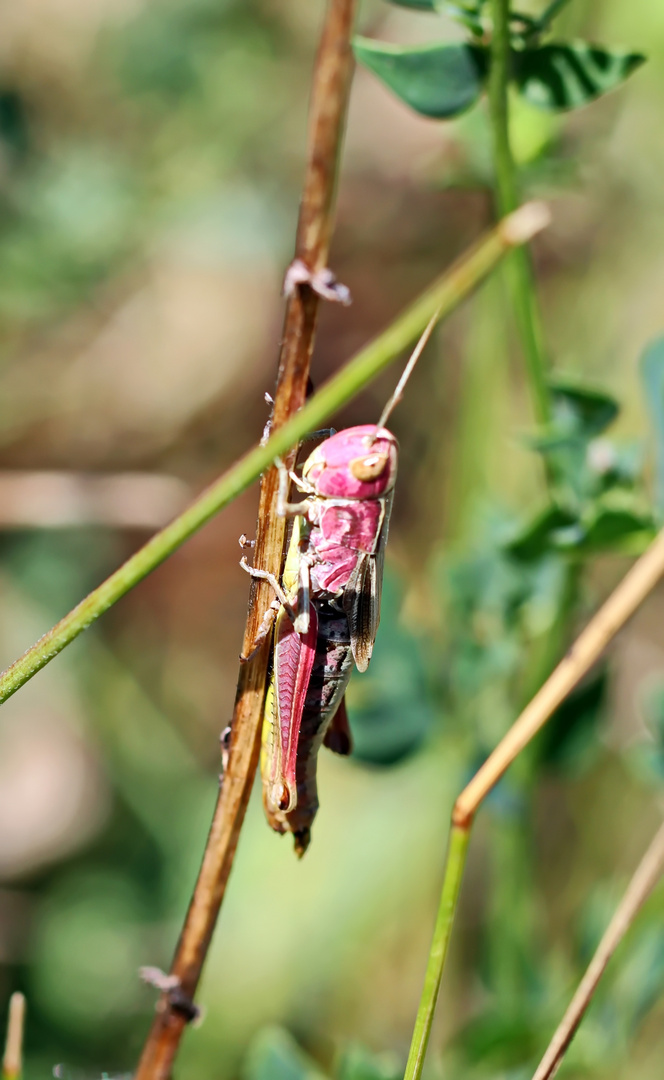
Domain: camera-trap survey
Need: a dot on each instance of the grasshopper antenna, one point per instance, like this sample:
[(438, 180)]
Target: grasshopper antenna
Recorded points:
[(517, 228), (417, 352)]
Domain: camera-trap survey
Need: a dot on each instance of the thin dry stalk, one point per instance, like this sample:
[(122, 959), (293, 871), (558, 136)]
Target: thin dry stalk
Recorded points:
[(640, 580), (611, 617), (645, 878), (329, 98), (12, 1062)]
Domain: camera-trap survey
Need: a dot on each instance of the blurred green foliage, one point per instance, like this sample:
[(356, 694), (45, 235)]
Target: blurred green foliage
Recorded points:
[(150, 162), (443, 80)]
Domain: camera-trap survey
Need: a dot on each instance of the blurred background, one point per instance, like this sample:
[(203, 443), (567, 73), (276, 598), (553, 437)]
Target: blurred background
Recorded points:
[(151, 157)]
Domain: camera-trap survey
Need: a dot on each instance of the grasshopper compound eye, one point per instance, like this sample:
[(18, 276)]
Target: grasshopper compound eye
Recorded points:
[(368, 468)]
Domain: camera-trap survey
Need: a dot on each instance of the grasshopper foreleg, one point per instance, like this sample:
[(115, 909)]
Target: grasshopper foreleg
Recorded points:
[(284, 507), (265, 575), (271, 613)]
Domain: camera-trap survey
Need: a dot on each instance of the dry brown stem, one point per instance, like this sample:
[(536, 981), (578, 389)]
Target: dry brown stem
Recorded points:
[(637, 584), (329, 97), (589, 646), (646, 876), (12, 1062)]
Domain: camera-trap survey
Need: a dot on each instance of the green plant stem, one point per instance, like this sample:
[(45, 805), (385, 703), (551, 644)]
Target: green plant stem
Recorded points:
[(522, 287), (549, 14), (442, 297), (454, 867), (514, 924), (519, 265)]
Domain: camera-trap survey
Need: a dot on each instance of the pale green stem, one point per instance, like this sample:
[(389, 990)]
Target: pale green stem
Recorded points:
[(454, 867), (519, 265), (442, 297), (549, 14), (522, 285)]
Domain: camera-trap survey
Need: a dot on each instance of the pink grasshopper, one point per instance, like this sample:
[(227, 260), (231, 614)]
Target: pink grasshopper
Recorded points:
[(327, 609)]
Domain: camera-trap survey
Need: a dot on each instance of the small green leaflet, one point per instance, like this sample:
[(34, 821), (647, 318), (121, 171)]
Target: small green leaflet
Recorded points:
[(443, 80), (275, 1055), (565, 76), (439, 81), (544, 533), (619, 528), (467, 16), (581, 409)]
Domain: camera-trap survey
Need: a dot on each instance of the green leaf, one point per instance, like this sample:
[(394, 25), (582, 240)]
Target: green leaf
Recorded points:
[(647, 758), (652, 374), (422, 5), (582, 409), (468, 16), (274, 1055), (638, 983), (439, 81), (654, 714), (561, 76), (500, 1040), (646, 761), (390, 708), (14, 126), (543, 534), (569, 741), (615, 466), (618, 529), (358, 1063)]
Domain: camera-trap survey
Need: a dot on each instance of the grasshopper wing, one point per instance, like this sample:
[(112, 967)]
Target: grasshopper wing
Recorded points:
[(362, 597), (362, 605)]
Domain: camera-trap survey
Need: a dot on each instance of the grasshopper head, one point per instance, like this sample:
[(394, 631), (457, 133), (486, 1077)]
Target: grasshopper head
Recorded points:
[(357, 463)]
